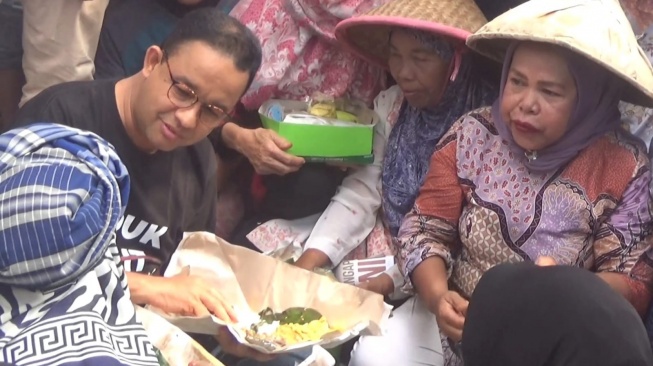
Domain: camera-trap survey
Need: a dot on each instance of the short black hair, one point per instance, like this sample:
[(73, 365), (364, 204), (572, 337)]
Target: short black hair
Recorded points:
[(221, 32)]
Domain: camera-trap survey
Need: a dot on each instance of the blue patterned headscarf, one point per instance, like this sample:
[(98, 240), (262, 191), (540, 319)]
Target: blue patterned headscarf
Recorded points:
[(62, 192), (63, 292), (413, 138)]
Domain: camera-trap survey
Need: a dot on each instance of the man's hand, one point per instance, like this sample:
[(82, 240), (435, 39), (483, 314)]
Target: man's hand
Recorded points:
[(381, 284), (450, 314), (265, 149), (231, 346), (183, 294)]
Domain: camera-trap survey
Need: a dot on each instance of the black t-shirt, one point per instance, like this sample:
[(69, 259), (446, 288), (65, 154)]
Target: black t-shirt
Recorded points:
[(171, 192)]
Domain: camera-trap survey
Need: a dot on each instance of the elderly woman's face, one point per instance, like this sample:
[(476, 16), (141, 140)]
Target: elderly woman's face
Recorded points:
[(420, 72), (539, 96)]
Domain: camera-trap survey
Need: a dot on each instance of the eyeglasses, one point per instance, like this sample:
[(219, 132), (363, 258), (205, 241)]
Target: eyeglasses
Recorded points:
[(182, 96)]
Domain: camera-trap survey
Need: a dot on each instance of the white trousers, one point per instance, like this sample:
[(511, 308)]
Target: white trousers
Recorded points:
[(412, 339), (60, 38)]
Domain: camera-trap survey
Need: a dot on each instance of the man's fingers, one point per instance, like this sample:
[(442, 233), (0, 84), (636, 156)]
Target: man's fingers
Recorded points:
[(216, 305), (199, 309)]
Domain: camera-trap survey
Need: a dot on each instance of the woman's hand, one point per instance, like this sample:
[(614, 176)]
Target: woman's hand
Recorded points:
[(265, 149), (450, 313), (381, 284), (545, 261)]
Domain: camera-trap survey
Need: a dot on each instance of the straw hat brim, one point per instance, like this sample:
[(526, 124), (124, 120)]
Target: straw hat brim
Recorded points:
[(368, 35), (495, 47), (597, 30)]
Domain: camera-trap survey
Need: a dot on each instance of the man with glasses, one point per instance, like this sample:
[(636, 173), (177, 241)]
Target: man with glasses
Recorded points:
[(158, 121)]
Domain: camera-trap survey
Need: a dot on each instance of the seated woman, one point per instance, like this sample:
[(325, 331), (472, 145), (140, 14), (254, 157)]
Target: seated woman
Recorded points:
[(545, 171), (63, 293), (436, 83)]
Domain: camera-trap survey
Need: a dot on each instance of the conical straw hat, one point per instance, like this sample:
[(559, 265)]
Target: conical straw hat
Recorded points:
[(597, 29), (368, 35)]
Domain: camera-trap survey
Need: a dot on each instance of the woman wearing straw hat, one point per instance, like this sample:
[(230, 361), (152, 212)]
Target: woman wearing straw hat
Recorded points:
[(546, 173), (422, 45)]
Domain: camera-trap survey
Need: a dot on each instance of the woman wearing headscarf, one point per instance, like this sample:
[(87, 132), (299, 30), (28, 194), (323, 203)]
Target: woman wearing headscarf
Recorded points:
[(421, 43), (546, 171), (63, 293), (522, 314)]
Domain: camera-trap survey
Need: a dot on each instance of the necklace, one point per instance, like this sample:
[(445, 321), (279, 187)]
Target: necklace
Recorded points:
[(531, 156)]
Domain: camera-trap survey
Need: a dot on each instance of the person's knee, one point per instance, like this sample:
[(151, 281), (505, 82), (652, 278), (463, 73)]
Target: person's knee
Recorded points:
[(367, 351)]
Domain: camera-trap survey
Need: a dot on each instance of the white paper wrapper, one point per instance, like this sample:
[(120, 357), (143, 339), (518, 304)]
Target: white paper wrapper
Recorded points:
[(252, 282), (177, 347)]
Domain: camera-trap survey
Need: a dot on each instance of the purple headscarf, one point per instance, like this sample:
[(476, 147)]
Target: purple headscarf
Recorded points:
[(417, 131), (595, 114)]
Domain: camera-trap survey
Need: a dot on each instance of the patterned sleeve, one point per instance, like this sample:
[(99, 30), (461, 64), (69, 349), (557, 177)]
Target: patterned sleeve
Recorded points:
[(623, 243), (431, 227)]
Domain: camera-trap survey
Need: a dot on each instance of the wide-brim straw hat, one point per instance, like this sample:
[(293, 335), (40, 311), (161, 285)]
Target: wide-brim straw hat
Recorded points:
[(596, 29), (368, 35)]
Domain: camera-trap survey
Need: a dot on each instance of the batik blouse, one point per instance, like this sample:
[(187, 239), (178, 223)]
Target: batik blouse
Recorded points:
[(480, 206)]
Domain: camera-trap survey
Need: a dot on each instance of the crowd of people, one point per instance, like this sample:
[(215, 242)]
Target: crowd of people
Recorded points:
[(510, 181)]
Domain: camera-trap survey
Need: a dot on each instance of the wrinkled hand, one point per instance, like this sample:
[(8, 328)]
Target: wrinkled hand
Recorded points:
[(545, 261), (230, 345), (381, 284), (266, 151), (450, 313), (189, 295)]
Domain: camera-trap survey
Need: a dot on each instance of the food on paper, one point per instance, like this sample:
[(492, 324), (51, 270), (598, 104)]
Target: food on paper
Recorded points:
[(250, 281), (287, 328)]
